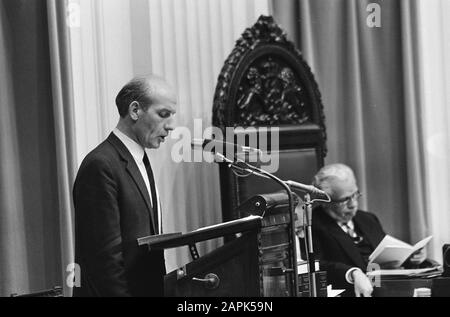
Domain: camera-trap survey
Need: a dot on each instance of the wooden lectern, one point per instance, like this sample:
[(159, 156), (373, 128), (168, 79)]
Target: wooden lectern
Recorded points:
[(230, 270)]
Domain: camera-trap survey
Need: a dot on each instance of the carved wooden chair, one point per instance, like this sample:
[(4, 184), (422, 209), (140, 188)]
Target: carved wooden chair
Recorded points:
[(266, 83)]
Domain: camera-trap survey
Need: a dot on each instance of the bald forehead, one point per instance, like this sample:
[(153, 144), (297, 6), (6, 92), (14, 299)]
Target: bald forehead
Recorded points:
[(158, 88)]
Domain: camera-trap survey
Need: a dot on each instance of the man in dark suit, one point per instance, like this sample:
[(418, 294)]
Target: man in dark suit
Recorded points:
[(344, 236), (116, 199)]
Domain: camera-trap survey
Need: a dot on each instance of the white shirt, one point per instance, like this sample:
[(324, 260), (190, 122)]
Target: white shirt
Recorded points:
[(137, 152), (349, 272), (349, 224)]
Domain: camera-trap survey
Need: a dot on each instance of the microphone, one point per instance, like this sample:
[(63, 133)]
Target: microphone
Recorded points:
[(210, 145), (306, 188)]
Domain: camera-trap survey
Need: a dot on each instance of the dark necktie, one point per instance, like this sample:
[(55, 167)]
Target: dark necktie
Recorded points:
[(352, 233), (151, 179)]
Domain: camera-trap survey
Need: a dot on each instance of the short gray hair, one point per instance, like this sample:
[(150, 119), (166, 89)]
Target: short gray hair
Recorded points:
[(332, 172), (138, 89)]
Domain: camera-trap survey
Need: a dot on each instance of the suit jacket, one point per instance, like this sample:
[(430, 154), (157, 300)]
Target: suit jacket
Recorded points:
[(112, 210), (336, 250)]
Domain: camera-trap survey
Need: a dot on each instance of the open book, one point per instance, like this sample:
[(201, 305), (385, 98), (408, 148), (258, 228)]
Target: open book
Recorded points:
[(229, 222), (392, 252)]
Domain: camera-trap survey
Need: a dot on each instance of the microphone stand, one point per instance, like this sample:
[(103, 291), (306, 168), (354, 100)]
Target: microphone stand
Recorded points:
[(259, 172), (310, 249), (307, 226)]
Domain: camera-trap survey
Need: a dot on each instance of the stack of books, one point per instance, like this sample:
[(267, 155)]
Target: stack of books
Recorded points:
[(303, 280)]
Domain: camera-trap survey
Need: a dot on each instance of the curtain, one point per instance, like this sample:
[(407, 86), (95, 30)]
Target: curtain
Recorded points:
[(434, 49), (185, 41), (63, 64), (365, 70), (415, 164), (63, 110), (202, 34), (29, 218), (407, 57)]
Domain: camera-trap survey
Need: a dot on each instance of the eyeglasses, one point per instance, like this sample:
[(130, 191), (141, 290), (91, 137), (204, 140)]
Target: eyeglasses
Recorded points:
[(346, 200)]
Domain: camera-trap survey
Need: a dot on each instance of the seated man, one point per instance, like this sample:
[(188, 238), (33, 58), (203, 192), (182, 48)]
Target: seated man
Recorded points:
[(344, 236)]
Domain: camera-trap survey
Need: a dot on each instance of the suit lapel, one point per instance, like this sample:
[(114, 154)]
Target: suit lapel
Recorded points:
[(343, 239), (368, 229), (134, 172), (347, 244)]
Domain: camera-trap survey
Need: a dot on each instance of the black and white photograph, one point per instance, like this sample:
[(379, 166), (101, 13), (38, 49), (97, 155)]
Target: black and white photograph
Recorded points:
[(224, 154)]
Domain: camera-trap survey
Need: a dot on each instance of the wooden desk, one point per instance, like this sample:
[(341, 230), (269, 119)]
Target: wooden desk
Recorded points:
[(440, 287)]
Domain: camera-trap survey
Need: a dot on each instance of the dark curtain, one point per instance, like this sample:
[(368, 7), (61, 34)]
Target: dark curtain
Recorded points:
[(29, 221)]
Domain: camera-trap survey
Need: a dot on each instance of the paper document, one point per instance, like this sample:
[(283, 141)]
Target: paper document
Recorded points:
[(392, 252), (401, 272), (334, 292)]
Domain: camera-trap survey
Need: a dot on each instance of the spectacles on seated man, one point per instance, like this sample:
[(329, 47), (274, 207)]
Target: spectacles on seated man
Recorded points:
[(343, 201)]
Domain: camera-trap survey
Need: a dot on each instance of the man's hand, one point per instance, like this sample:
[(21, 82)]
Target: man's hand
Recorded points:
[(418, 257), (363, 286)]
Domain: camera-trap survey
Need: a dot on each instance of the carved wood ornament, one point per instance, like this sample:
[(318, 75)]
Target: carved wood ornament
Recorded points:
[(266, 82)]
